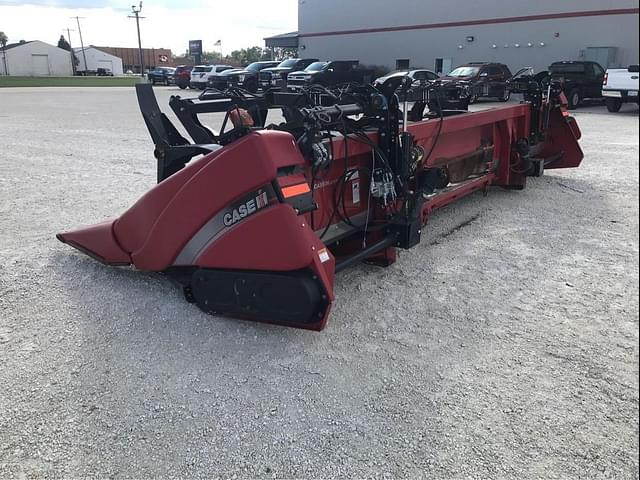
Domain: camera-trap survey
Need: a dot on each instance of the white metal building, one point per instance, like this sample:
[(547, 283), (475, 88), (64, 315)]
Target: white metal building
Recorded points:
[(35, 59), (440, 34), (98, 59)]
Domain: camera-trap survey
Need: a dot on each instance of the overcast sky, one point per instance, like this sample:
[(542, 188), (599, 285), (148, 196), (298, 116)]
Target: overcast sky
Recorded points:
[(168, 24)]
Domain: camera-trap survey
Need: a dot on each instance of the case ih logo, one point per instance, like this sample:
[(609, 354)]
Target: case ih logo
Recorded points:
[(246, 209)]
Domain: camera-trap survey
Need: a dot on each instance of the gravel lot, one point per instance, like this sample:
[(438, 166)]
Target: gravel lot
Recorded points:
[(504, 346)]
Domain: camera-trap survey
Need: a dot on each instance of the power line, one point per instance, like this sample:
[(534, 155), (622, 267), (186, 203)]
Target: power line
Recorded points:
[(136, 15)]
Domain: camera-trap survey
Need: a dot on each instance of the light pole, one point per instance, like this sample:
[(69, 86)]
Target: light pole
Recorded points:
[(84, 56), (136, 15)]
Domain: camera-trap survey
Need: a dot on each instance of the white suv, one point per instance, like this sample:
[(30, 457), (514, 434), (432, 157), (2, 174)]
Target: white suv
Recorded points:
[(201, 73)]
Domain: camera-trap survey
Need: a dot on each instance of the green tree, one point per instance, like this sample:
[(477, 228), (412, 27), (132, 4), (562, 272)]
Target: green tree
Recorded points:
[(243, 56), (212, 58), (63, 44), (252, 54), (284, 53)]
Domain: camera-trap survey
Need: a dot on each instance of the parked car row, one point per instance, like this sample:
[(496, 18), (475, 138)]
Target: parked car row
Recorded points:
[(245, 78), (293, 73), (277, 77), (329, 74), (580, 80), (99, 72)]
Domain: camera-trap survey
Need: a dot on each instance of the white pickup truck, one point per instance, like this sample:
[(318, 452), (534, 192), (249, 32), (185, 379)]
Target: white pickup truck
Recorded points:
[(621, 86)]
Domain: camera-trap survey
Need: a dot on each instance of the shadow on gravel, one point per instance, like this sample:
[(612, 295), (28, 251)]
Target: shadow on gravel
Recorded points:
[(149, 303)]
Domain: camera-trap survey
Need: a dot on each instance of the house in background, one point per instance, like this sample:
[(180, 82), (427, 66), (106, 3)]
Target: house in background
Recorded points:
[(152, 57), (96, 59), (35, 59)]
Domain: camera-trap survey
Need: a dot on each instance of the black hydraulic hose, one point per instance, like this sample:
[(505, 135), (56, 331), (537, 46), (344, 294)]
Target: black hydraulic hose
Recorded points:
[(325, 114)]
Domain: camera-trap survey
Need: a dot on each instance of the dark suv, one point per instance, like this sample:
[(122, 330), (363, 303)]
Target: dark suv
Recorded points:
[(486, 80), (245, 78), (579, 80), (161, 75), (276, 77), (329, 74)]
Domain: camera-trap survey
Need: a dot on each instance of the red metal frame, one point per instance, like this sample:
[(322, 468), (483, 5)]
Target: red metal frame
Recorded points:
[(180, 213)]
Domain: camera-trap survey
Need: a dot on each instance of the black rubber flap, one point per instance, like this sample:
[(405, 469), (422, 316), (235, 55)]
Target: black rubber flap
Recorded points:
[(291, 298)]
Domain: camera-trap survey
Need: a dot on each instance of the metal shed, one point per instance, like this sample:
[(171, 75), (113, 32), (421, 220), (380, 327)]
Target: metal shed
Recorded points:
[(35, 59)]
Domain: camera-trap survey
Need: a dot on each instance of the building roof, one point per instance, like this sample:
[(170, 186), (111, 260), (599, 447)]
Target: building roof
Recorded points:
[(22, 43), (17, 44), (284, 35), (133, 49), (91, 47), (284, 40)]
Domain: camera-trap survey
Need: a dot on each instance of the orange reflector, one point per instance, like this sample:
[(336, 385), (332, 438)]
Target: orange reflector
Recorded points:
[(295, 190)]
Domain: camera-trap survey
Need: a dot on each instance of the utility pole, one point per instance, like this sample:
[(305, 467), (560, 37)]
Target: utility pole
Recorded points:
[(136, 15), (3, 44), (84, 56), (73, 57)]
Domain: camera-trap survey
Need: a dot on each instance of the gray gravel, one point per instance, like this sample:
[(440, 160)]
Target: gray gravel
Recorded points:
[(507, 348)]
